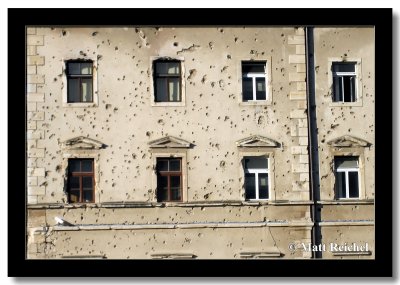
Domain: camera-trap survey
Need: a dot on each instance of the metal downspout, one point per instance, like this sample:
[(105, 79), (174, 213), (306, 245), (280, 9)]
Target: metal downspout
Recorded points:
[(313, 142)]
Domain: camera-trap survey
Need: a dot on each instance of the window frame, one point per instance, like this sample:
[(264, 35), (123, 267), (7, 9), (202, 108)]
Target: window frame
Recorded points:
[(81, 175), (269, 154), (341, 75), (168, 174), (64, 84), (268, 81), (257, 171), (167, 77), (346, 170), (358, 80), (79, 77), (182, 89), (253, 76)]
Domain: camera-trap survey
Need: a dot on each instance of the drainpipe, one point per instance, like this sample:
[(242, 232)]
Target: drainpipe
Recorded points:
[(313, 143)]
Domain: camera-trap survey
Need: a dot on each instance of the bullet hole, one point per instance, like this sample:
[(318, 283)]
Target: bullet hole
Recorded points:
[(208, 180), (82, 53), (228, 56), (206, 196), (222, 163), (192, 73), (108, 106), (55, 79), (203, 80), (226, 118), (260, 120), (221, 84), (212, 84), (64, 33), (94, 34), (317, 69), (236, 39), (211, 45), (116, 48), (175, 44), (99, 56), (148, 133)]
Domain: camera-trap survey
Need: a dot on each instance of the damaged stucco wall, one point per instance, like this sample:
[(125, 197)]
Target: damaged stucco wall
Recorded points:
[(336, 120), (125, 119)]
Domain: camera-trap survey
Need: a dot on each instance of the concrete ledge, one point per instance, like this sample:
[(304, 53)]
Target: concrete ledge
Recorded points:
[(347, 223), (182, 226), (116, 205), (347, 202)]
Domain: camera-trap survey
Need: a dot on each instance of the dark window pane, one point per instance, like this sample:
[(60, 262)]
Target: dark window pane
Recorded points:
[(247, 89), (175, 181), (73, 182), (250, 185), (340, 184), (346, 162), (263, 185), (74, 165), (167, 68), (260, 88), (253, 67), (175, 194), (353, 184), (256, 162), (88, 196), (174, 90), (73, 90), (161, 90), (74, 68), (337, 89), (86, 68), (74, 196), (162, 188), (87, 166), (87, 90), (87, 183), (162, 165), (175, 165), (343, 67)]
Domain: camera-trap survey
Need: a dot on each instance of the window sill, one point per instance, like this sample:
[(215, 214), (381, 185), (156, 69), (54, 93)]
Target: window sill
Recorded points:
[(80, 105), (168, 104), (256, 103), (346, 104)]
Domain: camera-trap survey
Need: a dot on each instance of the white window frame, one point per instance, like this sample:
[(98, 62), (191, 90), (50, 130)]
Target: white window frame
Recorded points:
[(253, 76), (268, 81), (346, 170), (342, 75), (257, 171), (358, 80)]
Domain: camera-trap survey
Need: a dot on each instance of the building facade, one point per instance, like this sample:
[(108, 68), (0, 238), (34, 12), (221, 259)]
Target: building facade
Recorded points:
[(194, 142)]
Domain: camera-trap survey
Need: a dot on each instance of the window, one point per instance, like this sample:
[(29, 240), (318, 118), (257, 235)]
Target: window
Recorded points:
[(167, 81), (253, 81), (79, 81), (347, 177), (169, 179), (344, 81), (256, 177), (80, 180)]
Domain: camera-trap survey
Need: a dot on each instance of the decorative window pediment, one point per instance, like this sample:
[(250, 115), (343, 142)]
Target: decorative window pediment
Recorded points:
[(257, 141), (348, 141), (170, 142), (82, 143)]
